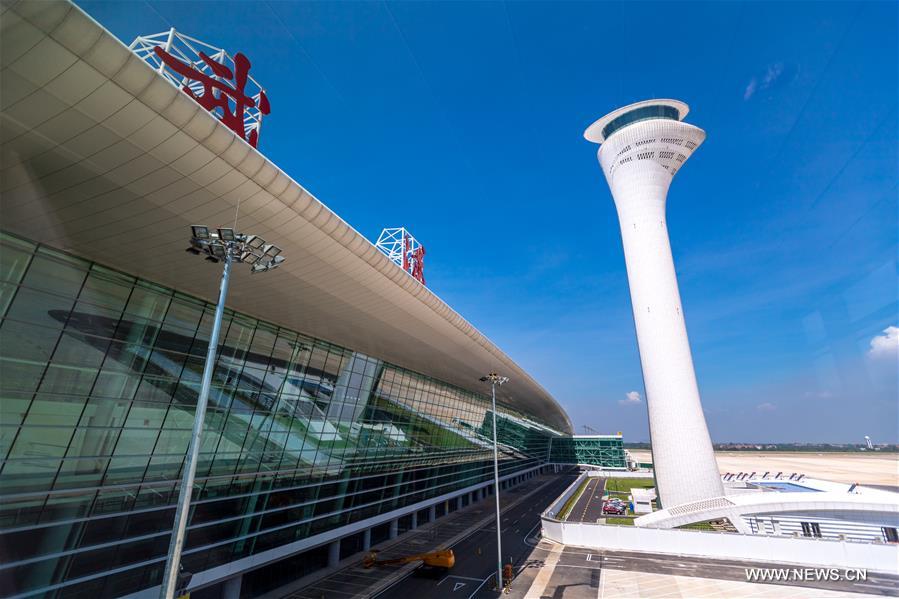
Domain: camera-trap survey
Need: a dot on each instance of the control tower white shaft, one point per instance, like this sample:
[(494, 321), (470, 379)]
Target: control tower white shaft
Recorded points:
[(643, 146)]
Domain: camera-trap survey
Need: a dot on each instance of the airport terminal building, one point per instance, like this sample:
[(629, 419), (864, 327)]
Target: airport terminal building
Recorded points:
[(346, 404)]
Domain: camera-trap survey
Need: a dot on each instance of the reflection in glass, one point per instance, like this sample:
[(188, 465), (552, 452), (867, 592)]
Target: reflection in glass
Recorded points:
[(99, 376)]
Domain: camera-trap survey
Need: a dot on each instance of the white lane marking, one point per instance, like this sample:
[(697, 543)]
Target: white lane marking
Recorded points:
[(479, 586)]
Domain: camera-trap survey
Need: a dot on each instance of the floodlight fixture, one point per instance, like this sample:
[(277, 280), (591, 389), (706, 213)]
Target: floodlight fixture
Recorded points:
[(226, 234), (200, 231), (272, 250), (249, 258), (254, 241)]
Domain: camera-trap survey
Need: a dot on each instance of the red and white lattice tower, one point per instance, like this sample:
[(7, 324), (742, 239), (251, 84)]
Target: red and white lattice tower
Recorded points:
[(399, 245)]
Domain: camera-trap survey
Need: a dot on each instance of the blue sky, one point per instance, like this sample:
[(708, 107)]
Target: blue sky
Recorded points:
[(463, 122)]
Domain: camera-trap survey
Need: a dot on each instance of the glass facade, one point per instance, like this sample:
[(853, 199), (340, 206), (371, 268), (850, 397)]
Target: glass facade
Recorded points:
[(658, 111), (99, 374), (607, 452)]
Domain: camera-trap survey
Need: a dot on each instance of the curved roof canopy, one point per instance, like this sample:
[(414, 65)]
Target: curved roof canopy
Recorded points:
[(105, 158)]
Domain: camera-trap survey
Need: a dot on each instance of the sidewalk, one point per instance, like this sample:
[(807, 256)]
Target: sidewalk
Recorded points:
[(349, 580)]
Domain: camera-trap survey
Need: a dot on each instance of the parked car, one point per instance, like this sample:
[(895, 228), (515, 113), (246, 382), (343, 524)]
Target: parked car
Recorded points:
[(614, 508)]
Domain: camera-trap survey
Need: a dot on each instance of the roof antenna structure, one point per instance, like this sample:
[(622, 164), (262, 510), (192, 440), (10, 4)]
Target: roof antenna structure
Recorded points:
[(404, 250)]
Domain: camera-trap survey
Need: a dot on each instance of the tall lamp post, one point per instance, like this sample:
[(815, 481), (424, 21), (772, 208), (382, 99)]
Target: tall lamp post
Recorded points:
[(494, 380), (223, 245)]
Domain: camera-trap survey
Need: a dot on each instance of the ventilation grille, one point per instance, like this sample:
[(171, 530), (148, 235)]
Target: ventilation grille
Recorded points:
[(701, 505)]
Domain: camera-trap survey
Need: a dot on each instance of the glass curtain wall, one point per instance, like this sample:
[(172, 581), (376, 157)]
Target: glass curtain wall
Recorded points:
[(99, 376), (607, 452)]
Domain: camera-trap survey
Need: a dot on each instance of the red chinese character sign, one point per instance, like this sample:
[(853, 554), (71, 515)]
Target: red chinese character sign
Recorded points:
[(220, 84)]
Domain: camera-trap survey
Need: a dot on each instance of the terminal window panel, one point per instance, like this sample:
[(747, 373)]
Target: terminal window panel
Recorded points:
[(99, 375)]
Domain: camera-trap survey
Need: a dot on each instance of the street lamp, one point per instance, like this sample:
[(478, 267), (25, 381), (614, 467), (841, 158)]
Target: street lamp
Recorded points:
[(227, 246), (494, 380)]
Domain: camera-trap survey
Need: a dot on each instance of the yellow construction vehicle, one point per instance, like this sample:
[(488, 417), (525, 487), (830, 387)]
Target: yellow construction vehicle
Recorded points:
[(443, 559)]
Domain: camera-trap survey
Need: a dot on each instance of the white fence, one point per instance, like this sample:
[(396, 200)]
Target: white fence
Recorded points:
[(559, 503), (644, 474), (720, 545)]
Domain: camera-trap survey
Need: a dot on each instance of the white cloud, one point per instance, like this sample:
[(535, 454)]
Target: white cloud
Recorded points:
[(766, 407), (818, 394), (885, 345), (750, 89), (632, 398), (773, 74)]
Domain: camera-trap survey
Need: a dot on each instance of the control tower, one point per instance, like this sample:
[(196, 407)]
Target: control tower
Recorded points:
[(642, 147)]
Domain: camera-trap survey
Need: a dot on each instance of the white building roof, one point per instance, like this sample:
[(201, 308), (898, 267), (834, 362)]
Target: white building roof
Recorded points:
[(105, 158)]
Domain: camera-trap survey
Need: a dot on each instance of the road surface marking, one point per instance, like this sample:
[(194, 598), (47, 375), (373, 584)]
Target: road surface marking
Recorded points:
[(458, 586), (479, 586), (545, 573)]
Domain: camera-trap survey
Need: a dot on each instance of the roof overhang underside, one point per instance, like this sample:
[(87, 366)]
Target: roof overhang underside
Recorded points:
[(104, 158)]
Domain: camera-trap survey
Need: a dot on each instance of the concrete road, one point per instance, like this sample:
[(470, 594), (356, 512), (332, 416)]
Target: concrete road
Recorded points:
[(476, 560), (588, 507), (577, 572)]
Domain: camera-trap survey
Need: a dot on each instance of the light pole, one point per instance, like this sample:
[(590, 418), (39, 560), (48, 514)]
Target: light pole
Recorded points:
[(225, 246), (494, 380)]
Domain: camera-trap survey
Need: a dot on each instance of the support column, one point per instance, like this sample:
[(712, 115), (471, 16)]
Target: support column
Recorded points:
[(394, 528), (414, 524), (231, 588), (432, 513), (334, 554), (366, 539)]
